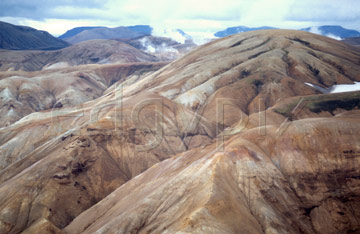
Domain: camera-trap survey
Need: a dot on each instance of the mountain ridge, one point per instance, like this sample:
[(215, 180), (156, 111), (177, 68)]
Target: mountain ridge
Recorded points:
[(94, 167), (325, 30), (14, 37), (99, 51), (121, 32)]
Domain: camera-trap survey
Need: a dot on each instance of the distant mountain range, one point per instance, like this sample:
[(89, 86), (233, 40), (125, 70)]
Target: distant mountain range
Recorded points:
[(333, 30), (13, 37), (72, 32), (326, 30), (238, 29), (98, 51), (81, 34)]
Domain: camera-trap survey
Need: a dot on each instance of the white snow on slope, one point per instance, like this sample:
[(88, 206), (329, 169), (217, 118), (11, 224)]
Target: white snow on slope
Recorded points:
[(345, 88), (341, 88)]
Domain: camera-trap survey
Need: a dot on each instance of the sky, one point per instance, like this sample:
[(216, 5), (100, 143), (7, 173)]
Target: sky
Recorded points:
[(200, 18)]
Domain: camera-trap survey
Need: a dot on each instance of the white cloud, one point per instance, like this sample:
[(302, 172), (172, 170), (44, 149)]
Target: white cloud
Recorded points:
[(316, 30), (333, 36), (202, 17)]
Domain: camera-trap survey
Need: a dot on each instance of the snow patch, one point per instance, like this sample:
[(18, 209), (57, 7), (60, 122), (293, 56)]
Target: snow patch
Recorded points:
[(345, 88), (340, 88)]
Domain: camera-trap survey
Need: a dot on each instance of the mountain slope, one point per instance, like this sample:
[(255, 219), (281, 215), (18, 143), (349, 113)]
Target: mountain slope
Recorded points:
[(74, 31), (142, 29), (279, 170), (25, 38), (258, 184), (355, 41), (89, 52), (23, 93), (109, 33)]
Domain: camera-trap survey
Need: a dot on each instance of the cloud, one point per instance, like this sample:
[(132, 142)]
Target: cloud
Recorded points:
[(195, 18), (43, 9), (324, 11), (316, 30)]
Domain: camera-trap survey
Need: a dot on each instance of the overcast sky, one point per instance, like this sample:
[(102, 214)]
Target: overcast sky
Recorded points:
[(196, 17)]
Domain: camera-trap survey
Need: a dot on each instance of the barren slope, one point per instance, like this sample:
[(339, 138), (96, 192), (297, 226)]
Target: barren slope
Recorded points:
[(302, 181), (89, 52), (22, 93), (282, 178)]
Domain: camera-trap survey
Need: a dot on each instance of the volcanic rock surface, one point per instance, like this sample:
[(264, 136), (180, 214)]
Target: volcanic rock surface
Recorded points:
[(227, 139)]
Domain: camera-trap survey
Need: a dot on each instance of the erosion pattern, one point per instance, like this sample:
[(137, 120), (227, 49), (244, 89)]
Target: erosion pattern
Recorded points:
[(22, 93), (227, 139)]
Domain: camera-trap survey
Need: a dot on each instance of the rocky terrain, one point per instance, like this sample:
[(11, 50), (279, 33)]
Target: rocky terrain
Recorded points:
[(13, 37), (237, 136)]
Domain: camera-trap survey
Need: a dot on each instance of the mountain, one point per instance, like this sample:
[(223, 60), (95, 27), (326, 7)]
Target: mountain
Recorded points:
[(142, 29), (23, 93), (355, 41), (14, 37), (333, 30), (234, 137), (238, 29), (108, 33), (74, 31), (326, 30), (88, 52)]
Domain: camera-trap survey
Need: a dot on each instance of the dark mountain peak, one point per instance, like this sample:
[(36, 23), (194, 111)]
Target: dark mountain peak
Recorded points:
[(13, 37)]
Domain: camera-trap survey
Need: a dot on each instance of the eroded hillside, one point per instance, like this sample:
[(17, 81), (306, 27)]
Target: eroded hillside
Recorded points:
[(232, 138)]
